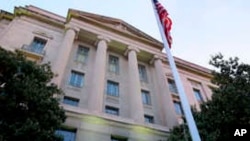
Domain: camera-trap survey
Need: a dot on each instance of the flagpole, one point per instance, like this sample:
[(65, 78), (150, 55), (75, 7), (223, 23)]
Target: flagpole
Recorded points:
[(184, 102)]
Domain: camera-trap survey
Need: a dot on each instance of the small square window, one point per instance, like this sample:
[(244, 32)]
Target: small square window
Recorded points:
[(112, 110), (113, 64), (67, 134), (112, 88), (76, 79), (71, 101), (148, 119), (146, 99), (82, 54)]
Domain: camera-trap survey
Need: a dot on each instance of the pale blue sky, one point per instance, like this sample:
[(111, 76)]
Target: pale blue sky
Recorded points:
[(200, 29)]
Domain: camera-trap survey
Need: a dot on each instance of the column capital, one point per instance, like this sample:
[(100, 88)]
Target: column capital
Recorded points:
[(131, 48), (76, 29), (103, 38), (155, 58)]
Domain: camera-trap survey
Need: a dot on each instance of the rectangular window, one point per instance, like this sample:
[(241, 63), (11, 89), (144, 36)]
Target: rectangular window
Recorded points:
[(76, 79), (113, 64), (38, 45), (172, 86), (118, 138), (178, 109), (112, 88), (142, 73), (198, 95), (71, 101), (148, 119), (82, 54), (68, 135), (112, 110), (146, 99)]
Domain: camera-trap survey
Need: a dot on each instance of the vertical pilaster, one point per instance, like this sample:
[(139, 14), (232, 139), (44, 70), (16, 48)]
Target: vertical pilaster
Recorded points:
[(64, 53), (164, 97), (95, 101), (136, 109)]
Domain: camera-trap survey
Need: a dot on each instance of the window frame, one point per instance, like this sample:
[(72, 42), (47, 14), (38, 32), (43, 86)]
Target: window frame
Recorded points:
[(75, 100), (113, 67), (146, 97), (142, 73), (112, 110), (112, 88), (74, 83), (82, 52), (198, 95), (149, 119), (178, 108), (72, 132), (172, 86), (39, 46)]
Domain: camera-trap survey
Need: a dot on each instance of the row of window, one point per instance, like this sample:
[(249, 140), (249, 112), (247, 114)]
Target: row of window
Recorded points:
[(70, 135), (177, 105), (112, 90), (38, 44), (115, 111)]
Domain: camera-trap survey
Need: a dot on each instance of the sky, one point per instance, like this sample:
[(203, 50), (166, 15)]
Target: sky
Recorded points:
[(201, 28)]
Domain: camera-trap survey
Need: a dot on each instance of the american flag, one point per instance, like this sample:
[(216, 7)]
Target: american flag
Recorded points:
[(165, 20)]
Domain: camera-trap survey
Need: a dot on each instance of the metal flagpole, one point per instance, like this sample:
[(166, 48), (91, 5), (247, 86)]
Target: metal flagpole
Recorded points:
[(185, 105)]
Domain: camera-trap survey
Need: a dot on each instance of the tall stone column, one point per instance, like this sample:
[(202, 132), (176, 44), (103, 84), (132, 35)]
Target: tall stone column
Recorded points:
[(64, 53), (95, 101), (136, 109), (163, 95)]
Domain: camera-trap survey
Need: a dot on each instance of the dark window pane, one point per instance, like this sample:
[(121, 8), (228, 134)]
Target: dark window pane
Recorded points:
[(149, 119), (70, 101), (68, 135), (111, 110)]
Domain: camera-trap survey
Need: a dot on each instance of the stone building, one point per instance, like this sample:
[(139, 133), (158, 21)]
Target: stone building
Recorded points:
[(117, 82)]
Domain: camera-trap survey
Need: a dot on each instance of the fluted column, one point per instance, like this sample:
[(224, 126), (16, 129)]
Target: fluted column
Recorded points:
[(165, 99), (64, 53), (136, 106), (95, 101)]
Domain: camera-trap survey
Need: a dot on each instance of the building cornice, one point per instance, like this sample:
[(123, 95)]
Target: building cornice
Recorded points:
[(6, 15), (95, 20), (21, 11)]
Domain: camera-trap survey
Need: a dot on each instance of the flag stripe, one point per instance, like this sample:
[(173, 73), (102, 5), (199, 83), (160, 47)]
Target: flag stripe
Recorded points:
[(165, 20)]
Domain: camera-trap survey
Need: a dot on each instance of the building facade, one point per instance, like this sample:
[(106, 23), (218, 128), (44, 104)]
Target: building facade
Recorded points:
[(117, 82)]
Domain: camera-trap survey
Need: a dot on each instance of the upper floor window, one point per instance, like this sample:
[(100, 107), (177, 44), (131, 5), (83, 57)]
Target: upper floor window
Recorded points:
[(142, 73), (113, 88), (82, 54), (148, 119), (114, 138), (71, 101), (112, 110), (37, 45), (198, 95), (76, 79), (146, 99), (178, 109), (67, 134), (172, 86), (113, 64)]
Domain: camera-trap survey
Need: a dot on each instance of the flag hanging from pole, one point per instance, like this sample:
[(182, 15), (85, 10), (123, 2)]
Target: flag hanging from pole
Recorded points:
[(165, 21)]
